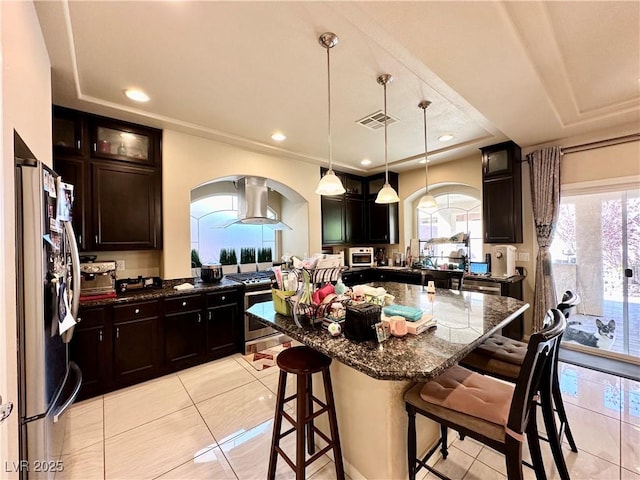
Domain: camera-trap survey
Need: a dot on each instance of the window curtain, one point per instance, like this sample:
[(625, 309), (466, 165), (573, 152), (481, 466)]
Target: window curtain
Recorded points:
[(544, 166)]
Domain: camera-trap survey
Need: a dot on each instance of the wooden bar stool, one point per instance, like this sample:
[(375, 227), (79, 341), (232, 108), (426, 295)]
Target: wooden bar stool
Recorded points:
[(303, 362)]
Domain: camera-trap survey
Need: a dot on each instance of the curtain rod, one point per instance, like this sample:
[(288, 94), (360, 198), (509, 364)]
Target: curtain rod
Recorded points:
[(635, 137)]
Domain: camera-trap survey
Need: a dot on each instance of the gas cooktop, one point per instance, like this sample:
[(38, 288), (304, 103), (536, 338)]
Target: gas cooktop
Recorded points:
[(253, 278)]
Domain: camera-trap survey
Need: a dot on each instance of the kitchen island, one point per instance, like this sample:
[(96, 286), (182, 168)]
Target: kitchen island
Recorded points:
[(370, 379)]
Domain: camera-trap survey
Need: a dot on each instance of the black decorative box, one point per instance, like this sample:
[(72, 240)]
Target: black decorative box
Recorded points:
[(360, 320)]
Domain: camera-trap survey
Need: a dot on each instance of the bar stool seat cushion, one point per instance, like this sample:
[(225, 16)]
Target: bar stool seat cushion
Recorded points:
[(501, 356)]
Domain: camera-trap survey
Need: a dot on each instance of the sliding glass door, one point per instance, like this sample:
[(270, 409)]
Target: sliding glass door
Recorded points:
[(596, 252)]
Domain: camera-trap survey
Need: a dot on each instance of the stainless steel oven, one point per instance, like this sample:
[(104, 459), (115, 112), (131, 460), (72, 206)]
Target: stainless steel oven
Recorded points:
[(257, 336)]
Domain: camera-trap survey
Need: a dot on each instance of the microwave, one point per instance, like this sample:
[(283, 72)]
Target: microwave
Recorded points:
[(361, 257)]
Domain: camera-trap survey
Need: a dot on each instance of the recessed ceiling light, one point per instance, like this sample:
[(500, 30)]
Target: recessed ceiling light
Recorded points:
[(136, 95), (446, 137), (423, 161), (366, 161), (278, 137)]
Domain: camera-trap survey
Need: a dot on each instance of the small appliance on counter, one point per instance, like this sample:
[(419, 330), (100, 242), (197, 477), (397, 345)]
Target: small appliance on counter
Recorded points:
[(381, 257), (98, 278), (361, 257), (211, 273), (129, 284), (503, 261)]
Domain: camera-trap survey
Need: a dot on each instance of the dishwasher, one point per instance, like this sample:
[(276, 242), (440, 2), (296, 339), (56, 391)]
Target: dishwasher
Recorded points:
[(481, 285)]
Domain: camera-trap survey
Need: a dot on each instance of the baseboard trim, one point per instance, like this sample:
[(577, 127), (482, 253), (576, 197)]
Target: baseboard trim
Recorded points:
[(601, 364)]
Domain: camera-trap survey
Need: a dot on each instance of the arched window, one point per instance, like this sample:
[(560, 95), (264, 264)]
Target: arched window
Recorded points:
[(456, 213), (210, 215)]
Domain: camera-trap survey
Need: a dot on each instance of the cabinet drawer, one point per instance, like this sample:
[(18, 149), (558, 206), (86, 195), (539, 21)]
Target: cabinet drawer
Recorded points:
[(183, 304), (222, 298), (135, 310), (91, 317)]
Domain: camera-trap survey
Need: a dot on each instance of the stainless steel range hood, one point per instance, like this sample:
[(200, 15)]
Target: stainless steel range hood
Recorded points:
[(253, 196)]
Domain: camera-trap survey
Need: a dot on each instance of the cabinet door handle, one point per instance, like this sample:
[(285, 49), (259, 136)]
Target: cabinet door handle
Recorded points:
[(79, 319), (199, 318), (100, 336), (95, 147), (184, 304), (80, 239), (209, 315), (78, 144), (96, 239), (223, 298), (117, 332), (137, 310)]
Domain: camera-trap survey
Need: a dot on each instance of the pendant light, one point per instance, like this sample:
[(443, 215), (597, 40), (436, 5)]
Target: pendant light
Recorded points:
[(386, 194), (329, 184), (427, 202)]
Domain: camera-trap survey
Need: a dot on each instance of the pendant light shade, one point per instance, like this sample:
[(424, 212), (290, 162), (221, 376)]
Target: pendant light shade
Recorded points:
[(386, 194), (427, 202), (329, 184)]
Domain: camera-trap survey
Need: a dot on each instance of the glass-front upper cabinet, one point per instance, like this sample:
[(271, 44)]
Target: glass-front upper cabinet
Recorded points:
[(121, 142)]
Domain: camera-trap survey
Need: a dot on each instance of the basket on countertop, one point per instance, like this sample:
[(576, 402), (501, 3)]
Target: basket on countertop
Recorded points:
[(280, 303)]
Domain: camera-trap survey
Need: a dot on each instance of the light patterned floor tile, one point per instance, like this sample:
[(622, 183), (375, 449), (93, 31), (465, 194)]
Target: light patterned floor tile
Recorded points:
[(84, 425), (158, 446), (627, 475), (595, 433), (456, 465), (601, 397), (328, 472), (84, 464), (480, 471), (630, 457), (257, 373), (630, 392), (584, 466), (468, 445), (206, 381), (587, 374), (209, 465), (248, 454), (131, 407), (234, 412)]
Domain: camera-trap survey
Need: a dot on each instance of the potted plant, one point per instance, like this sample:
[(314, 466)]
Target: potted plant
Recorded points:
[(265, 259), (196, 264), (228, 260), (247, 259)]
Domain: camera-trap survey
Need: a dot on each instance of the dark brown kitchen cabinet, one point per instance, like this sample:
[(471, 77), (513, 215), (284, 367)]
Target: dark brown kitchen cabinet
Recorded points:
[(223, 324), (74, 171), (502, 193), (125, 205), (89, 349), (382, 218), (136, 355), (333, 215), (116, 170), (182, 331), (354, 220), (354, 217)]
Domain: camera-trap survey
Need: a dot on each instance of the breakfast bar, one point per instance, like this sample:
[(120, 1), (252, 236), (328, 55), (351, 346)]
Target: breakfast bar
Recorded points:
[(369, 379)]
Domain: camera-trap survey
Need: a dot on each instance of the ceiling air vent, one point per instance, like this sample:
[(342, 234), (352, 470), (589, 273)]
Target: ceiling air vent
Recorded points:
[(375, 120)]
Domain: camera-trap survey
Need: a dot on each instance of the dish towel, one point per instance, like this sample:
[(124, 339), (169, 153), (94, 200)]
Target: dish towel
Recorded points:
[(411, 314)]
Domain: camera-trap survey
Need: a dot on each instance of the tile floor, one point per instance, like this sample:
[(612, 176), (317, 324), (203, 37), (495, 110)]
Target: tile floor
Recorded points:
[(214, 421)]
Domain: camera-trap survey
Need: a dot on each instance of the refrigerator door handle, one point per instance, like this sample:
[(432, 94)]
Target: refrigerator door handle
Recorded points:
[(75, 265), (74, 393)]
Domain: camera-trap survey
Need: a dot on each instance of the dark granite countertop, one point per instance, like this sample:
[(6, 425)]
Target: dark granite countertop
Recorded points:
[(464, 320), (425, 271), (167, 290)]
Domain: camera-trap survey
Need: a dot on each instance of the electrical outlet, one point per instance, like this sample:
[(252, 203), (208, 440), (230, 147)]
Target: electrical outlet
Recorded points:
[(523, 257), (119, 264)]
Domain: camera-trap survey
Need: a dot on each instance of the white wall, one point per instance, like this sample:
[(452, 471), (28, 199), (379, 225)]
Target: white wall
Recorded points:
[(189, 161), (26, 107)]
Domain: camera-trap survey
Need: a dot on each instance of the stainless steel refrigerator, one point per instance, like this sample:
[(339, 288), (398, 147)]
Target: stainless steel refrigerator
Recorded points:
[(48, 292)]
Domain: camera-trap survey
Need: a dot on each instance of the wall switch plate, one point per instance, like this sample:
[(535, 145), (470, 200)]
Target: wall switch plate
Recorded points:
[(523, 257), (119, 264)]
